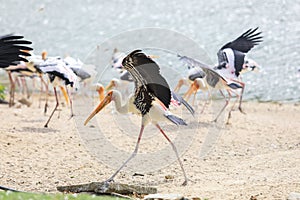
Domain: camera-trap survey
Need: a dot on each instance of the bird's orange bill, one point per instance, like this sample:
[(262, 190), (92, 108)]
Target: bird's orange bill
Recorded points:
[(65, 94), (110, 85), (100, 91), (102, 104)]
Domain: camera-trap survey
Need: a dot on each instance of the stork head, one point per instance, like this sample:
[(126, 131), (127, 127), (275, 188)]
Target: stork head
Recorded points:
[(107, 99), (250, 65), (100, 90), (44, 55), (112, 84)]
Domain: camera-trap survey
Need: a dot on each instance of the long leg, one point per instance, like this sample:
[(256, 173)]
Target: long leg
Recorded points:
[(205, 104), (25, 87), (195, 94), (57, 103), (175, 150), (226, 103), (241, 95), (47, 92), (179, 85), (132, 155), (231, 109), (192, 89), (70, 100), (12, 90)]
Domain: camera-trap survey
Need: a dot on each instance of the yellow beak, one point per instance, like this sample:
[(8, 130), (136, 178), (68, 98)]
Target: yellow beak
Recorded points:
[(110, 85), (102, 104), (100, 91)]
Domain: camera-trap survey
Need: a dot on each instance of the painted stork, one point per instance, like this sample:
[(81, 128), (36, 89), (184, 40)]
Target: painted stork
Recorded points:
[(151, 100), (197, 81), (231, 59), (59, 75), (13, 49), (76, 67)]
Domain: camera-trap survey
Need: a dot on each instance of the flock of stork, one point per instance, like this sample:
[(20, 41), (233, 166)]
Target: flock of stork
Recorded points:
[(152, 96)]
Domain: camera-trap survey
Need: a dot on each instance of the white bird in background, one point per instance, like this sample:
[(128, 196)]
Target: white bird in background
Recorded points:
[(124, 80), (77, 67), (151, 100), (59, 75)]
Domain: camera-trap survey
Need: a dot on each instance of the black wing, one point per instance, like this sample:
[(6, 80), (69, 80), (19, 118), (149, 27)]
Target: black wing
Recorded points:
[(82, 74), (12, 50), (182, 101), (146, 73), (245, 42)]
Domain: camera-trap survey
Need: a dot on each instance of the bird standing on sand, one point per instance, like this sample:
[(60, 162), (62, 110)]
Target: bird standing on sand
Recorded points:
[(231, 59), (13, 49), (59, 75), (151, 99)]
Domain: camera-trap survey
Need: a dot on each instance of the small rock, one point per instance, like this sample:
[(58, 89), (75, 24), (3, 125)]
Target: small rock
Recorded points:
[(18, 106), (25, 101), (164, 196), (169, 177), (294, 196)]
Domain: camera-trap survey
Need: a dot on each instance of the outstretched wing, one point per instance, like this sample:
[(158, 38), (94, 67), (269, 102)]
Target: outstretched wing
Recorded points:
[(212, 77), (146, 74), (245, 42), (12, 50), (192, 62)]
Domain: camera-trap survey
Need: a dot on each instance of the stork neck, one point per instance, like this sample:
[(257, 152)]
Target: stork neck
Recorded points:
[(118, 103)]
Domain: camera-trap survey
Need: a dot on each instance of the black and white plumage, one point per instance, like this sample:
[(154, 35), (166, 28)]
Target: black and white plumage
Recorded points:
[(13, 48), (215, 80), (231, 56), (151, 99), (231, 59), (194, 73), (56, 68), (76, 66), (59, 75), (148, 81)]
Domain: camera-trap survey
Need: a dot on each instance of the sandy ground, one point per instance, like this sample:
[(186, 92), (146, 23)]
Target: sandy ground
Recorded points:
[(258, 154)]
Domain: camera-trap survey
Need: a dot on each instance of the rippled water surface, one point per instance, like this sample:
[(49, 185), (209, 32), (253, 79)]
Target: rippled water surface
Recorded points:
[(77, 27)]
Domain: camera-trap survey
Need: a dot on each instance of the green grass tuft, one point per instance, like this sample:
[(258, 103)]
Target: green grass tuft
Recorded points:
[(33, 196)]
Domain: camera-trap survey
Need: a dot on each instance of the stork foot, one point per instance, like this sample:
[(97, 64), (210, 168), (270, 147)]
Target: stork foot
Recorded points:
[(228, 123), (72, 115), (184, 183), (108, 181), (241, 110)]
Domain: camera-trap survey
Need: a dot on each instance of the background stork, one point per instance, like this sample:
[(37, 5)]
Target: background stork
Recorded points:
[(13, 49), (231, 59), (59, 75), (151, 99)]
